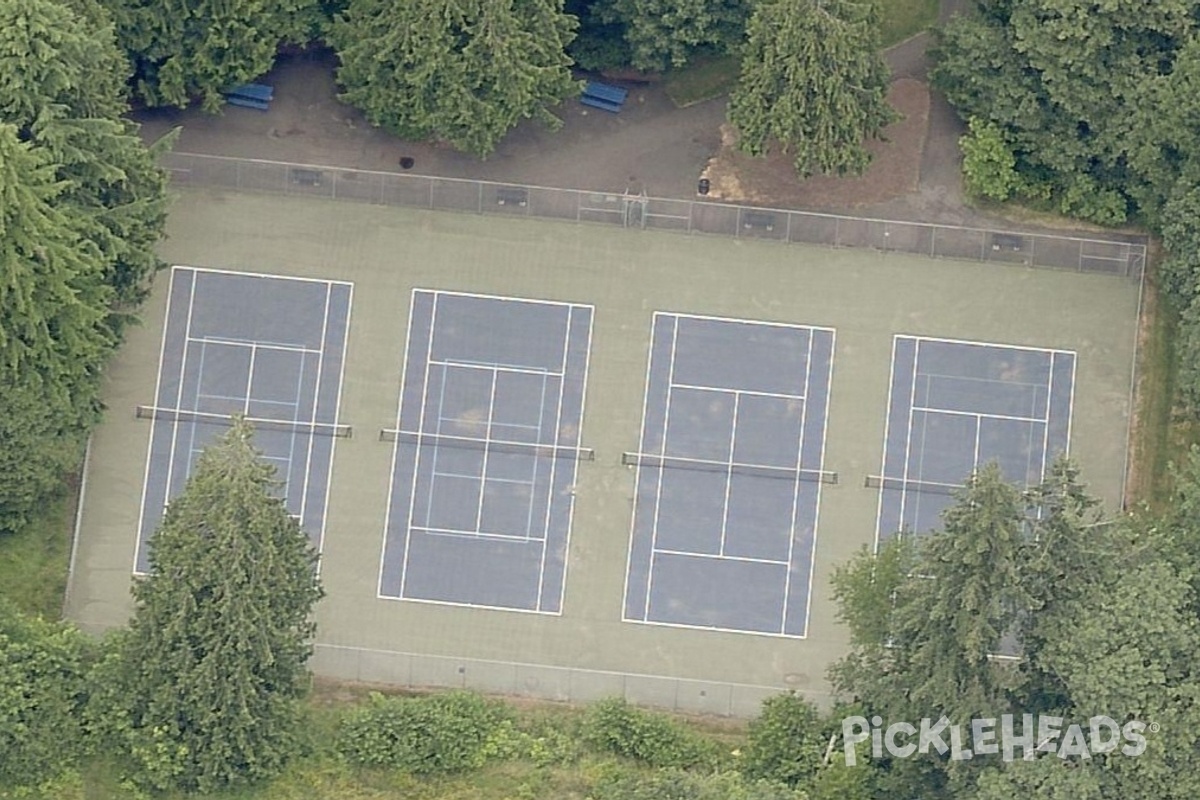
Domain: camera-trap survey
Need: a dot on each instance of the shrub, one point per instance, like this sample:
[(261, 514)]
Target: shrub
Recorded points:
[(615, 726), (440, 733), (786, 741)]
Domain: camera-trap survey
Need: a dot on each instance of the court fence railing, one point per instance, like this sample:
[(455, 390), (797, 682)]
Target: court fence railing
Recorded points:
[(1125, 257)]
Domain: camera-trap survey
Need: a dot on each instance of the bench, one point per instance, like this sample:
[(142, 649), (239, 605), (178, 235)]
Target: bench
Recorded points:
[(1008, 241), (306, 177), (512, 196), (254, 91), (759, 219), (603, 96), (247, 102)]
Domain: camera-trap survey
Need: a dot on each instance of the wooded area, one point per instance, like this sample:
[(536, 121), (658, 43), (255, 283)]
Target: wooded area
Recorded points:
[(1085, 109)]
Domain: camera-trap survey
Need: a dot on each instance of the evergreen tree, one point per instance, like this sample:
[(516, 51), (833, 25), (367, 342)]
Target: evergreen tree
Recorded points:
[(186, 49), (464, 71), (665, 33), (204, 692), (53, 337), (812, 84)]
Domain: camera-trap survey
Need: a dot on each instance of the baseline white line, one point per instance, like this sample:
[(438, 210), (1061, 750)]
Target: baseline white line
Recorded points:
[(412, 505), (637, 473), (887, 421), (720, 557), (488, 366), (459, 604), (729, 475), (526, 300), (712, 629), (587, 360), (507, 537), (661, 472), (955, 412), (227, 342), (387, 514), (162, 354), (268, 275), (812, 556), (742, 321), (791, 553), (725, 390), (975, 343)]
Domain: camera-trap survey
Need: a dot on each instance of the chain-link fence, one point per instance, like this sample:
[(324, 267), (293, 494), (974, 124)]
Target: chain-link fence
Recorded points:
[(1123, 257)]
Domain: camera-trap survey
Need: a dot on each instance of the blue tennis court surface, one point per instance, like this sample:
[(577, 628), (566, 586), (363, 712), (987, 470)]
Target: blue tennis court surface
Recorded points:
[(955, 406), (268, 348), (729, 475), (487, 447)]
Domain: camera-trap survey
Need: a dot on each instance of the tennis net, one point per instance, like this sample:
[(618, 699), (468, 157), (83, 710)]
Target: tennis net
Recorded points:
[(655, 460), (490, 445), (177, 415)]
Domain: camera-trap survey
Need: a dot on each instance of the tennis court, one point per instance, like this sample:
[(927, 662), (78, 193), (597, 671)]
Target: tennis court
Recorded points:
[(269, 348), (957, 405), (728, 475), (487, 444)]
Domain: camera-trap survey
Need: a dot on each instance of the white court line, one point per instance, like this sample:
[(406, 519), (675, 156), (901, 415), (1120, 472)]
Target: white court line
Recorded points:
[(486, 449), (488, 366), (953, 412), (1071, 405), (412, 505), (587, 358), (912, 401), (715, 629), (887, 421), (227, 342), (162, 354), (658, 492), (387, 514), (791, 554), (1046, 427), (296, 418), (460, 604), (249, 380), (720, 557), (974, 343), (812, 553), (204, 396), (740, 321), (464, 476), (562, 382), (976, 379), (562, 389), (753, 392), (179, 394), (975, 452), (337, 413), (267, 275), (527, 300), (637, 473), (458, 534), (195, 407), (729, 475)]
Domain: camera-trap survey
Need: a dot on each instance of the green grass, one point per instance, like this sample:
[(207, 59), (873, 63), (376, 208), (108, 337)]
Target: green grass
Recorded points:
[(704, 78), (900, 19), (34, 561)]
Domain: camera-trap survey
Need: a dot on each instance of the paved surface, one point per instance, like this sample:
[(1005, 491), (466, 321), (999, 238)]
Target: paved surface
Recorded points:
[(651, 145)]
